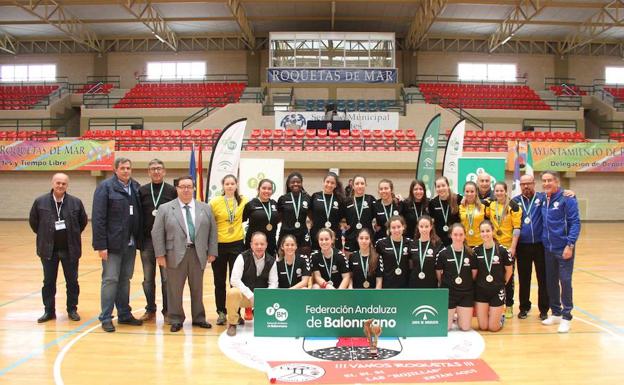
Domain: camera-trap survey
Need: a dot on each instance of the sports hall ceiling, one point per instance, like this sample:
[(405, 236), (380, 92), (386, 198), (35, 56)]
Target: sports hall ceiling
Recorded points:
[(561, 26)]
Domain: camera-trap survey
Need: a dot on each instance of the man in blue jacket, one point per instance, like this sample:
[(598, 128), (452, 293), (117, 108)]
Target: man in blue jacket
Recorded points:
[(561, 231), (117, 233)]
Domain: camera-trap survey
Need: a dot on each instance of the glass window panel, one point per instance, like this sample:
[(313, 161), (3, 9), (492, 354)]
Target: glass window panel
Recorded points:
[(48, 72), (34, 73), (198, 69), (614, 75), (183, 70), (8, 73), (21, 73), (168, 70), (154, 70)]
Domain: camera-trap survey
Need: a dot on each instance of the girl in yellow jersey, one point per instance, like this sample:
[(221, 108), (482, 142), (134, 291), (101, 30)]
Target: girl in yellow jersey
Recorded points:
[(228, 212), (506, 216), (472, 213)]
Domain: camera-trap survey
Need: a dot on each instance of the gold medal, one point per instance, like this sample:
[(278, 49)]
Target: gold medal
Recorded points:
[(366, 284), (269, 227), (489, 278), (458, 280), (499, 232), (231, 230)]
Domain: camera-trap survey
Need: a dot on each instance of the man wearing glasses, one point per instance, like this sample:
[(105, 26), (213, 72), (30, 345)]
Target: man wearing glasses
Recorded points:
[(185, 240), (153, 195)]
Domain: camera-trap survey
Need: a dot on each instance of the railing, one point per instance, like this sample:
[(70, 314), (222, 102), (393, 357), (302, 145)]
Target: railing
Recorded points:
[(606, 97), (106, 101), (455, 79), (348, 106), (116, 123), (115, 80), (609, 127), (556, 81), (549, 125), (58, 125), (506, 103), (269, 109), (209, 78), (197, 116)]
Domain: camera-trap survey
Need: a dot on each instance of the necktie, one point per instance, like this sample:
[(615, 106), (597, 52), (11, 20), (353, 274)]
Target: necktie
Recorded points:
[(189, 223)]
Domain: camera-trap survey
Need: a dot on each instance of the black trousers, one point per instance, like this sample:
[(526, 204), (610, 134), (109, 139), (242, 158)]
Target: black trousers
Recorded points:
[(527, 255), (227, 255), (50, 272)]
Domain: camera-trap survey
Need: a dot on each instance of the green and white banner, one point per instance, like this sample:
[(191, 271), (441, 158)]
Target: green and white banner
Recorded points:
[(252, 171), (225, 156), (452, 153), (341, 313), (425, 170), (470, 168)]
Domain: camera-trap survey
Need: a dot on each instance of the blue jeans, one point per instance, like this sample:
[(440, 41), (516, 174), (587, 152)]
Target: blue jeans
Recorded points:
[(148, 259), (559, 283), (116, 273)]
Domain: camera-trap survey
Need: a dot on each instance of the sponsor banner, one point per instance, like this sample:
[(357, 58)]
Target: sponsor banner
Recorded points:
[(576, 157), (470, 168), (57, 155), (332, 313), (225, 156), (427, 155), (380, 372), (331, 75), (453, 151), (252, 171), (359, 120)]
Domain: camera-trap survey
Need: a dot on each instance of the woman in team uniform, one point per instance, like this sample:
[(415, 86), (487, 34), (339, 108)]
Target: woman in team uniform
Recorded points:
[(444, 209), (330, 267), (414, 207), (395, 252), (422, 265), (293, 269), (293, 210), (262, 215), (506, 216), (456, 269), (386, 207), (327, 209), (228, 212), (366, 267), (359, 214), (494, 270), (472, 213)]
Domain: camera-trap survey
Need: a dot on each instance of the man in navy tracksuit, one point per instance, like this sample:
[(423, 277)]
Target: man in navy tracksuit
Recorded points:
[(561, 231)]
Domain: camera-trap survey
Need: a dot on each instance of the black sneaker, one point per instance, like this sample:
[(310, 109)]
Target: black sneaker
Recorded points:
[(523, 314)]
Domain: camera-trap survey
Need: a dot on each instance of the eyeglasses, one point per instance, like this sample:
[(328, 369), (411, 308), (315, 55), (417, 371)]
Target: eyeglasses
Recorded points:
[(186, 187), (156, 169)]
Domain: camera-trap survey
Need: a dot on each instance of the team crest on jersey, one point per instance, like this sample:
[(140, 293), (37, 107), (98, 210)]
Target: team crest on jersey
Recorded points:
[(495, 258), (334, 269), (404, 250), (298, 271), (466, 261), (273, 207), (365, 204), (430, 252), (304, 204), (395, 212), (336, 204), (556, 204)]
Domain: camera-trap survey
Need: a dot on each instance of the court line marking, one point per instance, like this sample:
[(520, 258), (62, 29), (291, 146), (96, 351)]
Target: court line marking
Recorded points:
[(599, 276)]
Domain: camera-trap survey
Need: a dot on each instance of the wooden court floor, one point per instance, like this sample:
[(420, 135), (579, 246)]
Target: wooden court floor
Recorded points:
[(80, 353)]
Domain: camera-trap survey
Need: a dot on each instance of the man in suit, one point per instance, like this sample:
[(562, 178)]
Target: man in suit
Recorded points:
[(58, 219), (185, 239), (117, 233)]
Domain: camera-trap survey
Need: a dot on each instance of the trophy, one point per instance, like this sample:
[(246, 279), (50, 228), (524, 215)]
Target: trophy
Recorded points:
[(372, 330)]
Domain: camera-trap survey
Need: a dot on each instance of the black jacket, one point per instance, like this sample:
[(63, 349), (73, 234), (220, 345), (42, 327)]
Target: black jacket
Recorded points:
[(111, 220), (42, 218)]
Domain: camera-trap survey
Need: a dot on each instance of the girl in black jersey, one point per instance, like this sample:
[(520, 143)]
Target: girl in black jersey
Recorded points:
[(444, 209), (366, 267), (293, 210), (395, 252), (262, 215), (494, 270), (330, 267), (422, 264), (456, 268), (386, 207), (327, 209), (414, 207), (293, 268), (359, 213)]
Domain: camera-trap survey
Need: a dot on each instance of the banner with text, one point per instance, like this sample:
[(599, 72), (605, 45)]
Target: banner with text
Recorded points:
[(470, 168), (57, 155), (252, 171), (332, 75), (341, 313), (359, 120), (578, 157)]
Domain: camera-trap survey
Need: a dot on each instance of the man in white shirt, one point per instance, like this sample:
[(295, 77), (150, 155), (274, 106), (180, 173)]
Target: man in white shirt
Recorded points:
[(252, 269)]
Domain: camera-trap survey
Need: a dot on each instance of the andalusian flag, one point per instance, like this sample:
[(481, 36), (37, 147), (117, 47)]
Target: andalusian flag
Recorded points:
[(193, 166), (528, 168), (199, 191)]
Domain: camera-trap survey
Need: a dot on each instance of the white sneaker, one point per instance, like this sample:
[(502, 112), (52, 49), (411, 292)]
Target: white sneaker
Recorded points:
[(552, 320), (564, 326)]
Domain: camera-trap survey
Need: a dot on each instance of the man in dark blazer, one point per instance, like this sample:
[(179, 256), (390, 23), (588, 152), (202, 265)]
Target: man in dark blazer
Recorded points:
[(185, 240), (58, 219), (117, 233)]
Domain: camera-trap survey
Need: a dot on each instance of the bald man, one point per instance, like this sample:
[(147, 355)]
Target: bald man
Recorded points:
[(58, 219), (484, 182)]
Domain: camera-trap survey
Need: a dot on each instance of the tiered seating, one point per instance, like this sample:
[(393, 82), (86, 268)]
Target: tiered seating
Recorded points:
[(486, 141), (95, 88), (617, 92), (514, 97), (346, 104), (616, 137), (568, 90), (41, 136), (180, 95), (155, 140), (23, 97)]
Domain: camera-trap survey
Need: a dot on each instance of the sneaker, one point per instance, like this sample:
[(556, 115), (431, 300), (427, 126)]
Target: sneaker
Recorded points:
[(552, 320), (231, 330), (523, 314), (543, 316), (241, 321), (248, 314), (564, 326), (222, 318), (509, 312)]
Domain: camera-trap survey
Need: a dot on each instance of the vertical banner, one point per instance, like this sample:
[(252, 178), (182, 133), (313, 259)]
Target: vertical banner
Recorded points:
[(253, 171), (470, 168), (425, 169), (453, 151), (225, 156)]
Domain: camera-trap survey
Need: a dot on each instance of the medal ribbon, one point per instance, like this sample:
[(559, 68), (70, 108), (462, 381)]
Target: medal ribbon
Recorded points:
[(397, 255), (292, 270), (444, 213), (470, 215), (364, 266), (156, 200), (385, 212), (358, 211), (416, 211), (231, 212), (458, 263), (267, 212), (331, 202), (422, 254), (331, 264), (500, 218), (524, 208), (488, 265), (296, 207)]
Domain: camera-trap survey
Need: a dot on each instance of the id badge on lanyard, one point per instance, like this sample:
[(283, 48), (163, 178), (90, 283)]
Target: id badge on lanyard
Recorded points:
[(59, 224)]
